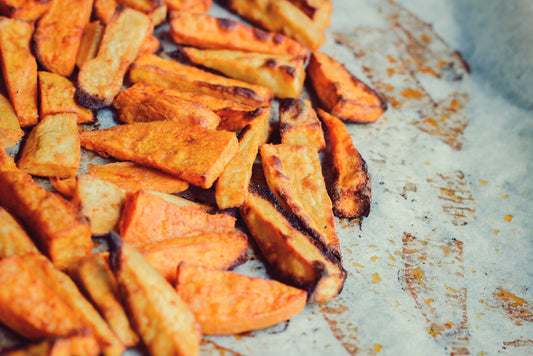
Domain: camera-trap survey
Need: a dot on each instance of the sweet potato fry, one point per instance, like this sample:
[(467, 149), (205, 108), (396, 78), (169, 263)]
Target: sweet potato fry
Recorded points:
[(100, 201), (58, 34), (104, 10), (59, 346), (219, 251), (280, 16), (10, 131), (318, 10), (53, 147), (232, 185), (284, 74), (13, 238), (351, 187), (192, 153), (30, 10), (6, 162), (95, 278), (150, 45), (147, 218), (258, 304), (155, 70), (294, 175), (58, 229), (56, 95), (100, 79), (206, 31), (192, 6), (90, 41), (299, 124), (179, 201), (139, 104), (162, 320), (19, 68), (292, 255), (341, 93), (155, 9)]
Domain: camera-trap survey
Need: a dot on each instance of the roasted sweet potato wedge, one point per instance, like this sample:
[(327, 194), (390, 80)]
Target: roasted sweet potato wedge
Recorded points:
[(100, 201), (150, 45), (292, 255), (318, 10), (226, 302), (299, 124), (6, 162), (219, 251), (30, 10), (95, 278), (351, 190), (179, 201), (58, 229), (192, 6), (52, 148), (141, 104), (147, 218), (192, 153), (167, 73), (104, 10), (19, 68), (58, 34), (56, 95), (294, 175), (90, 41), (341, 93), (81, 343), (280, 16), (13, 238), (155, 9), (10, 131), (232, 185), (160, 317), (206, 31), (284, 74), (100, 79)]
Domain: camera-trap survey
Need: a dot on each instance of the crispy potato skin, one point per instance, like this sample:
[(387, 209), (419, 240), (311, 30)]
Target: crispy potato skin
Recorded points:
[(154, 70), (10, 131), (351, 187), (192, 153), (299, 124), (52, 148), (318, 10), (341, 93), (56, 95), (206, 31), (104, 10), (155, 9), (19, 68), (58, 34), (57, 227), (30, 10), (100, 79), (229, 303), (220, 251), (13, 238)]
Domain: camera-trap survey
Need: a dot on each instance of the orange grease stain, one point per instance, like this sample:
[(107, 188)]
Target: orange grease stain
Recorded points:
[(508, 218), (412, 94)]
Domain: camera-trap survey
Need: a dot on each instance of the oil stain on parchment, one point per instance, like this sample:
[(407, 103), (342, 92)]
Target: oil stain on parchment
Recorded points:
[(208, 347), (397, 58), (516, 308), (515, 347), (434, 276)]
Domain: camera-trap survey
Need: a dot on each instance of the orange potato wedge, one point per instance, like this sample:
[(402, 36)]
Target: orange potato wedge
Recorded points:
[(219, 251), (206, 31), (147, 218), (192, 6), (318, 10), (94, 276), (281, 16), (104, 10), (6, 162), (100, 79), (81, 343), (179, 201), (293, 257), (58, 34), (299, 124), (100, 201), (150, 45), (90, 41), (10, 131), (58, 229), (140, 104), (155, 9), (159, 316), (294, 175), (351, 186), (193, 153), (230, 303), (56, 94), (232, 186), (167, 73), (284, 74), (13, 238), (30, 10), (341, 93), (19, 68), (52, 148)]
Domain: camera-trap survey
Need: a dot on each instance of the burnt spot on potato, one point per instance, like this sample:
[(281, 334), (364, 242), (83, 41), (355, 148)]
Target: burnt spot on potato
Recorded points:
[(226, 24)]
